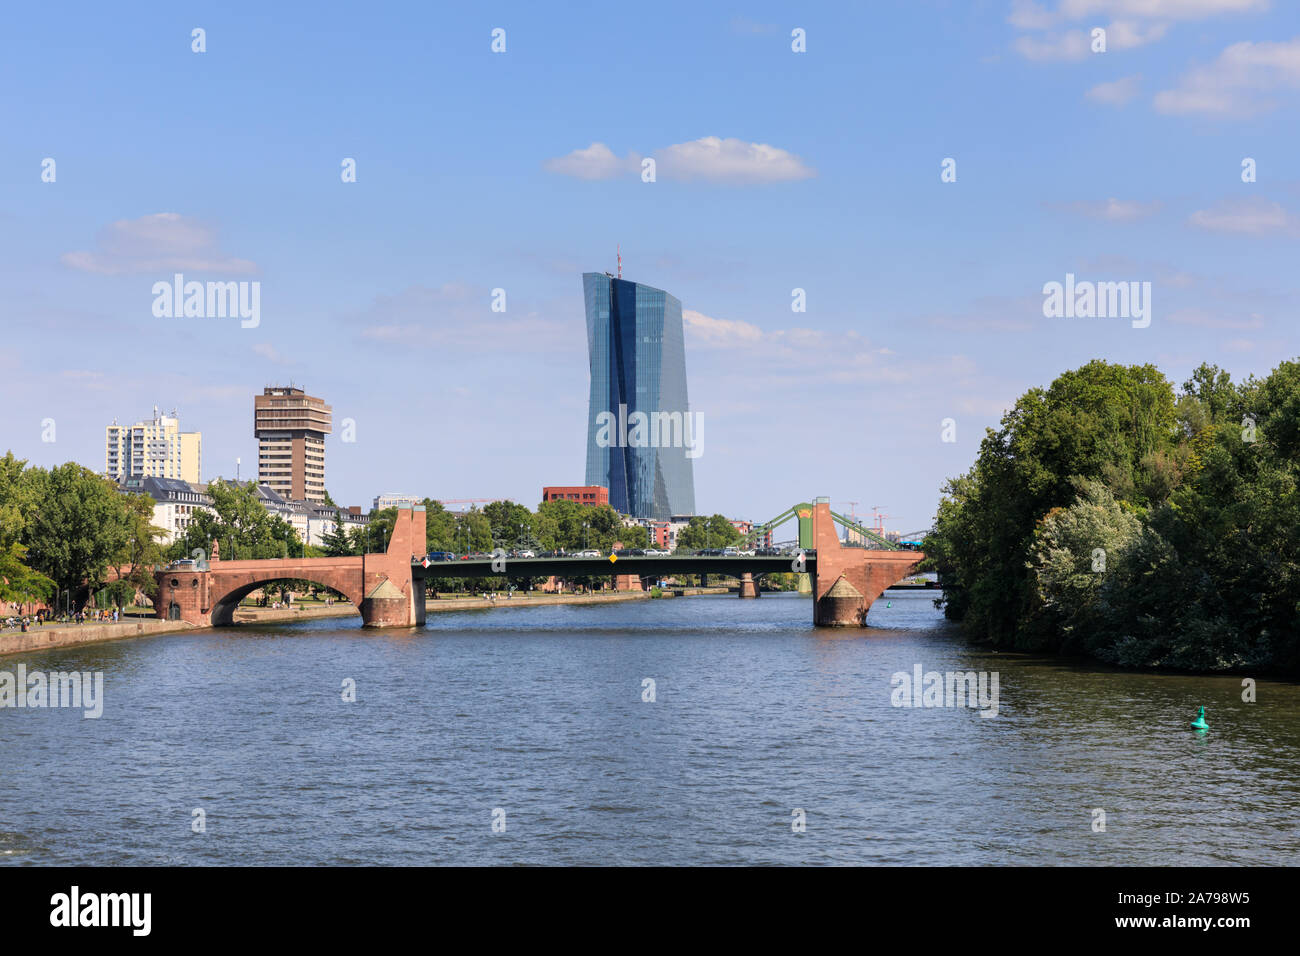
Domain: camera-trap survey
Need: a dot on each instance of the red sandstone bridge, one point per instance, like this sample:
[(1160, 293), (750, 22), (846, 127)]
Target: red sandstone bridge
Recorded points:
[(388, 589)]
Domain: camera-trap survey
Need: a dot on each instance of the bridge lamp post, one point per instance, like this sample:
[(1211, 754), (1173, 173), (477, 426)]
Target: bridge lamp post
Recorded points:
[(586, 537)]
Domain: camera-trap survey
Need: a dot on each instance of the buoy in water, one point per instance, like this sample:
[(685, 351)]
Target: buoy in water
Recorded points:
[(889, 604), (1199, 723)]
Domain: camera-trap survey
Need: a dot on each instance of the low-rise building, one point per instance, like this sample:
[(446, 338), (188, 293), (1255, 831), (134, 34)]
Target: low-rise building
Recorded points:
[(583, 494), (177, 502), (392, 500)]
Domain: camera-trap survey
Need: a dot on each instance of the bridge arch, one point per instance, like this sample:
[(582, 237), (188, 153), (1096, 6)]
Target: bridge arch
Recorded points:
[(225, 604)]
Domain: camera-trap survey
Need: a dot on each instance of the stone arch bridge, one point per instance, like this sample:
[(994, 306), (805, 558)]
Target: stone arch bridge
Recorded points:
[(388, 588)]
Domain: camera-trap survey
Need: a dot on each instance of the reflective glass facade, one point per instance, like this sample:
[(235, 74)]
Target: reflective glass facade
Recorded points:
[(638, 365)]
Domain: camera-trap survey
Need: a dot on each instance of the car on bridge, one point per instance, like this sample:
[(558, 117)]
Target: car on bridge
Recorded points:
[(656, 553), (589, 553), (441, 556)]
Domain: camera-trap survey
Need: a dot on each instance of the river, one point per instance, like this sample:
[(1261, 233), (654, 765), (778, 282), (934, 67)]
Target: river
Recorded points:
[(520, 736)]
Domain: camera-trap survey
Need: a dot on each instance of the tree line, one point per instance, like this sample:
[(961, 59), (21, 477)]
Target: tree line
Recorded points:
[(1116, 517), (64, 532)]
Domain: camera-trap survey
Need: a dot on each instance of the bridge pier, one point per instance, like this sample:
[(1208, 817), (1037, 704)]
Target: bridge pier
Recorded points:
[(748, 587), (848, 580)]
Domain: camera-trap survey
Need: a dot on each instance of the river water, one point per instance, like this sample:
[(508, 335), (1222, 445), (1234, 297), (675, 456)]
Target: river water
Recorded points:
[(534, 718)]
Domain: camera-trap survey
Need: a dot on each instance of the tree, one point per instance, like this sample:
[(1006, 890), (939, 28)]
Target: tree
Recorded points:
[(16, 501), (439, 527), (1073, 550), (241, 524), (335, 541), (141, 551), (18, 582), (76, 527), (374, 535), (1195, 503), (509, 522), (711, 532)]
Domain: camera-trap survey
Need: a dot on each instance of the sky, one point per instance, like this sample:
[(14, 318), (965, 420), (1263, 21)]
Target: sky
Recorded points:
[(518, 169)]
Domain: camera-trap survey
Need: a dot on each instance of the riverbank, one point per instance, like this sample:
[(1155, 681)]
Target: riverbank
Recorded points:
[(262, 615), (48, 636)]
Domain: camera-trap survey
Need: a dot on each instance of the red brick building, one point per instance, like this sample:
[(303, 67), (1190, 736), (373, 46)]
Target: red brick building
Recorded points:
[(583, 494)]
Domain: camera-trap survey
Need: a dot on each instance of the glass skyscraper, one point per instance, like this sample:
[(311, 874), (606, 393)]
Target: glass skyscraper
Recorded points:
[(641, 436)]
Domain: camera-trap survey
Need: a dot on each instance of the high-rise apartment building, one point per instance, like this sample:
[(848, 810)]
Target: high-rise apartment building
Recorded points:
[(291, 426), (153, 449), (641, 435)]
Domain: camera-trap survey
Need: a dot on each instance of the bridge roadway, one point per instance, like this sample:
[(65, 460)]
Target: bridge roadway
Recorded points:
[(647, 566)]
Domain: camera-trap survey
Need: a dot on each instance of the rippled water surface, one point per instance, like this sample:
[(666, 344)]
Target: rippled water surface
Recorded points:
[(539, 712)]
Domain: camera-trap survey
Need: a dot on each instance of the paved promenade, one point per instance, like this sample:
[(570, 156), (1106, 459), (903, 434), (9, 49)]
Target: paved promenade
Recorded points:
[(49, 636)]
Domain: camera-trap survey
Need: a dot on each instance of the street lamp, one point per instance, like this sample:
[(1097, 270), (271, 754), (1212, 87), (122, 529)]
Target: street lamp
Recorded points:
[(586, 538)]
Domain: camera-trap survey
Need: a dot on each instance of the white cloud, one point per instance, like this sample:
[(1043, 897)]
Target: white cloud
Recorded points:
[(1028, 15), (1071, 45), (269, 352), (162, 242), (1159, 9), (730, 161), (1132, 23), (1111, 210), (708, 159), (1127, 34), (724, 333), (1116, 92), (1250, 217), (597, 161), (1229, 86)]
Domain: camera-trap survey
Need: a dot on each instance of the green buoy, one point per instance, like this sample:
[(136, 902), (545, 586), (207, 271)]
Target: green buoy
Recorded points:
[(889, 604), (1199, 723)]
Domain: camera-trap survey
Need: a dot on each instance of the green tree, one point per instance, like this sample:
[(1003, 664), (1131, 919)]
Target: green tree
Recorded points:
[(142, 550), (439, 527), (240, 523), (1195, 501), (336, 542), (1073, 550), (711, 532), (77, 526), (18, 582), (510, 523), (16, 501)]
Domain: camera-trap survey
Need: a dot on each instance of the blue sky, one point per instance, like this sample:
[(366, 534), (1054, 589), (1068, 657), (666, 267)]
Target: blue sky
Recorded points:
[(519, 170)]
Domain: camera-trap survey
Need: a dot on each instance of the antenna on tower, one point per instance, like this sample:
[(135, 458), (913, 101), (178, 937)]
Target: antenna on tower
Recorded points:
[(619, 249)]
